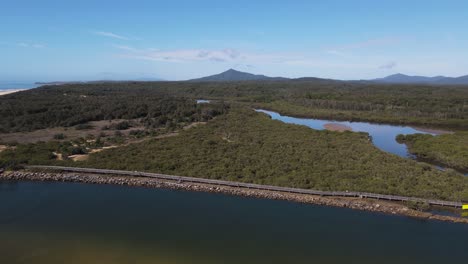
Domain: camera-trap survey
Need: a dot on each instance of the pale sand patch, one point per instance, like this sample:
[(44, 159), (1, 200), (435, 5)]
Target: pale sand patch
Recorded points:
[(433, 131), (337, 127), (58, 156), (3, 147), (79, 157), (194, 125), (9, 92), (101, 149)]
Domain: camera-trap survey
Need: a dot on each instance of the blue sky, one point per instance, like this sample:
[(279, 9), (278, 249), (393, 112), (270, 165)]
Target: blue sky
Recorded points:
[(175, 40)]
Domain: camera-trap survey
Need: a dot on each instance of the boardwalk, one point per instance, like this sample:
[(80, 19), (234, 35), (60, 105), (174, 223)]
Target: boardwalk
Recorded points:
[(251, 186)]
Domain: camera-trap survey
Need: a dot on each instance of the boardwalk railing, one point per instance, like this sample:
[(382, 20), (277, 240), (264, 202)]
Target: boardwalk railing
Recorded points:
[(251, 185)]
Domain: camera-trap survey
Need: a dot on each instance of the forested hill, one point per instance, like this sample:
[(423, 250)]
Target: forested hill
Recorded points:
[(158, 102), (233, 75)]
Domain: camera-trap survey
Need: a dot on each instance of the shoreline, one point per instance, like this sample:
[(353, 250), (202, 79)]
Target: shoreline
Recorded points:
[(434, 131), (362, 204), (5, 92), (335, 118)]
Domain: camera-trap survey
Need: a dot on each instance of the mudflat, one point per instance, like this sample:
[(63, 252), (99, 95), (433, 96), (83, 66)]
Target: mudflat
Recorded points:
[(337, 127)]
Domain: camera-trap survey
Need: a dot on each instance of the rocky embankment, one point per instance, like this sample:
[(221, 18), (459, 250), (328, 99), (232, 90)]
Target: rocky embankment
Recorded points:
[(345, 202)]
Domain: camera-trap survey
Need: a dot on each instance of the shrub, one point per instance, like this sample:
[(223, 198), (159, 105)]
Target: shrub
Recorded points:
[(59, 136)]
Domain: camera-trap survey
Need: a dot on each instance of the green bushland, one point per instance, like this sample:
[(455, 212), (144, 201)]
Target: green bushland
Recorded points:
[(75, 105), (242, 145), (37, 153), (250, 147), (161, 103), (450, 150)]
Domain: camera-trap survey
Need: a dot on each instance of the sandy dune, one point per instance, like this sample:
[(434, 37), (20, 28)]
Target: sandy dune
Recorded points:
[(8, 92)]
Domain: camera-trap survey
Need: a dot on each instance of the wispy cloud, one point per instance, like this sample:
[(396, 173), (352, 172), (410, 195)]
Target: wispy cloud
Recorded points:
[(110, 35), (238, 58), (346, 50), (388, 65), (127, 48), (377, 42), (31, 45), (183, 55)]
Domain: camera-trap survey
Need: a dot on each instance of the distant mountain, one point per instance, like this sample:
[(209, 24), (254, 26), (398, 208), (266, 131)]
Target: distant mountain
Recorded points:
[(462, 80), (100, 81), (402, 79), (233, 75)]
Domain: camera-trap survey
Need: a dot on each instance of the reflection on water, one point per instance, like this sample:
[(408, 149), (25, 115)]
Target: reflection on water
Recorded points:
[(203, 101), (383, 136), (78, 223)]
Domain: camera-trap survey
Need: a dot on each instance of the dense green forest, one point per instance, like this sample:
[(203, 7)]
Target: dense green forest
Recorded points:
[(450, 149), (70, 105), (162, 102), (250, 147), (247, 146), (240, 144)]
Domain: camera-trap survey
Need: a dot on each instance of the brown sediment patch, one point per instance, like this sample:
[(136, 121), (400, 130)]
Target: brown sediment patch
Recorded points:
[(337, 127), (363, 204), (433, 131)]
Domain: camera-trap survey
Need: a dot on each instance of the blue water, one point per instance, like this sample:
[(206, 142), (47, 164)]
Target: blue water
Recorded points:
[(57, 223), (4, 86), (383, 136)]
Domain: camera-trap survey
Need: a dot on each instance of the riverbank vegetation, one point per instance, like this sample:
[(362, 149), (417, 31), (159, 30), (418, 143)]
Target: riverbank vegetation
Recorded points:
[(450, 149), (161, 103), (239, 144), (250, 147)]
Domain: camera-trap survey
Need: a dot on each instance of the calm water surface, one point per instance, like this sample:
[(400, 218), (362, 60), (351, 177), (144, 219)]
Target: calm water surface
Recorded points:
[(78, 223), (5, 86), (383, 136)]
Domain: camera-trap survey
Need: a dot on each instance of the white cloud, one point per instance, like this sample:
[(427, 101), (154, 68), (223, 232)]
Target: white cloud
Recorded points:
[(31, 45), (110, 35), (240, 58), (127, 48), (223, 55), (348, 51), (388, 65), (377, 42), (38, 46)]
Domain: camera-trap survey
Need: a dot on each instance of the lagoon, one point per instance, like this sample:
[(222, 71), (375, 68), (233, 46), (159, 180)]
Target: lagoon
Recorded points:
[(82, 223)]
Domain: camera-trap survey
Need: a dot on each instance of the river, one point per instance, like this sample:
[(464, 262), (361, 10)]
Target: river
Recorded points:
[(80, 223), (383, 135)]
